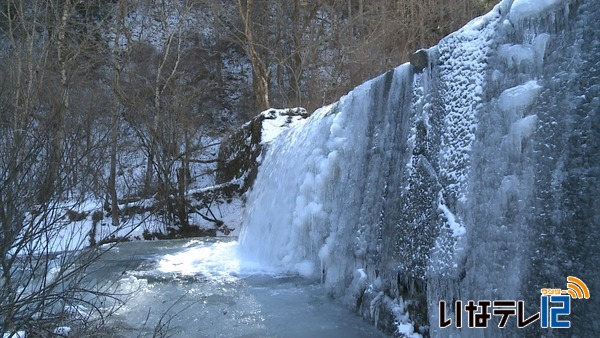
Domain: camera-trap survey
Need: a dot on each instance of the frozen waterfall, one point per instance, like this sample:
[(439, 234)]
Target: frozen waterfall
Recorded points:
[(478, 178)]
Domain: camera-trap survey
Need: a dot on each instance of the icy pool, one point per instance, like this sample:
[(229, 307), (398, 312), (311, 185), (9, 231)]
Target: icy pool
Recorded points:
[(199, 288)]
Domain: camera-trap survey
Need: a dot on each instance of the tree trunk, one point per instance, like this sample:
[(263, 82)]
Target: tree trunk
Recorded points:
[(297, 56), (260, 84), (112, 184), (52, 184), (260, 71), (114, 132), (182, 178)]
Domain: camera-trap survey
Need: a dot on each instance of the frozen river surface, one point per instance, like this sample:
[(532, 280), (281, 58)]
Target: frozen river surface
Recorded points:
[(200, 288)]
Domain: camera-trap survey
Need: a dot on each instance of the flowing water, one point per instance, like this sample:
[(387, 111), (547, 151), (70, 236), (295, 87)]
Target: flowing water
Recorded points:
[(201, 288)]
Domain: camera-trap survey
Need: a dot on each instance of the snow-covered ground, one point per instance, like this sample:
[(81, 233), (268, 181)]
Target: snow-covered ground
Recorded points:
[(76, 224), (277, 120)]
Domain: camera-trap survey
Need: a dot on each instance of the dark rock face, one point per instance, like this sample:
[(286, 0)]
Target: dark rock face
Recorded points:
[(239, 153), (419, 59)]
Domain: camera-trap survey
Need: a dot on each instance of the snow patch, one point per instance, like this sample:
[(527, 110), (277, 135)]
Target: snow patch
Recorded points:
[(404, 326), (18, 334), (63, 331), (278, 120), (457, 228)]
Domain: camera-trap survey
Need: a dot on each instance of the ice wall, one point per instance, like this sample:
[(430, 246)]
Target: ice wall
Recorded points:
[(478, 178), (313, 205)]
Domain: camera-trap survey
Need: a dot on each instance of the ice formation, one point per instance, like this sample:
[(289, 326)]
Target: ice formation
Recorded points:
[(478, 178)]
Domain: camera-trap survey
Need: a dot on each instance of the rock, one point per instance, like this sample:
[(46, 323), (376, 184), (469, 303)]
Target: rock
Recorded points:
[(419, 59), (239, 153)]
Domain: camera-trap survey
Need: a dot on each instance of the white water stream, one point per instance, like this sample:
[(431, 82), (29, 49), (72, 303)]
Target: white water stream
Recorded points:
[(200, 288)]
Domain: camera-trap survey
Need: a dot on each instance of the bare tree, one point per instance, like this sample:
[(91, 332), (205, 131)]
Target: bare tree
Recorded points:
[(311, 52), (41, 280), (260, 67), (118, 95)]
